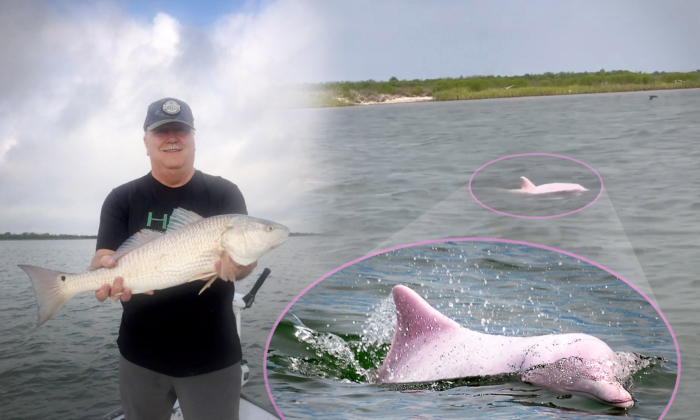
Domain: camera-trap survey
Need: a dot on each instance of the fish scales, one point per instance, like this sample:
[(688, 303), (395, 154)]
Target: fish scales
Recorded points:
[(176, 258), (188, 251)]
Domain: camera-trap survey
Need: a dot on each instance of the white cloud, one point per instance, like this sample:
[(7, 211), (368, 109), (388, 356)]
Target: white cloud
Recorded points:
[(5, 147), (73, 132)]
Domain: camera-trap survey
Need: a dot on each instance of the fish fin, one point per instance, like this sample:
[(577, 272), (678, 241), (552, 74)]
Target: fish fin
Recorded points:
[(202, 276), (116, 297), (227, 266), (136, 240), (526, 185), (180, 218), (47, 287), (206, 286)]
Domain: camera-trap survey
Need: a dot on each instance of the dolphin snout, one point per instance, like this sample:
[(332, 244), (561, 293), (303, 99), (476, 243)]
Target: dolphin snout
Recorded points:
[(611, 393), (624, 400)]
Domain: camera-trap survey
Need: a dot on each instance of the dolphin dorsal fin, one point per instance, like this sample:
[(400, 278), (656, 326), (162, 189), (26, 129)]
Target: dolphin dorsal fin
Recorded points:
[(416, 320), (526, 185)]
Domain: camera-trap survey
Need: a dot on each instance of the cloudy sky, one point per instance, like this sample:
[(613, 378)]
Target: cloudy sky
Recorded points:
[(77, 76), (412, 39)]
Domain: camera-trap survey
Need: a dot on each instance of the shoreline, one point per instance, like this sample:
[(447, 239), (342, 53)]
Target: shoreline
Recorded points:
[(17, 237), (465, 94), (398, 100), (47, 239)]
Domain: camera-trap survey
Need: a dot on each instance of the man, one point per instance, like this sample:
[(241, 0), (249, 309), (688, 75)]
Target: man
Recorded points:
[(173, 343)]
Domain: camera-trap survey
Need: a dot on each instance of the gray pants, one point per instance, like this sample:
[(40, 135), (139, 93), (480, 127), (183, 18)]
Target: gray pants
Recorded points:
[(149, 395)]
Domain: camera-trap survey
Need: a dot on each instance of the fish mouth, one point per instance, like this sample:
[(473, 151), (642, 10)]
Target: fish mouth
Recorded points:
[(279, 242)]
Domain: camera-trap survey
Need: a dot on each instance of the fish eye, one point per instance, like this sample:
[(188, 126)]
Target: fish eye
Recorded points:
[(270, 228)]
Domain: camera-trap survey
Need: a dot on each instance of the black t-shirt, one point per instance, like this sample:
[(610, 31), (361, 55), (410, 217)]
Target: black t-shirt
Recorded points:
[(175, 331)]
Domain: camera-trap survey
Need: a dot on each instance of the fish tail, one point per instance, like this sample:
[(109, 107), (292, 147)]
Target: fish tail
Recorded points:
[(48, 290)]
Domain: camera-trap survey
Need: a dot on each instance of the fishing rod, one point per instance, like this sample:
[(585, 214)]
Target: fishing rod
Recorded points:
[(250, 297)]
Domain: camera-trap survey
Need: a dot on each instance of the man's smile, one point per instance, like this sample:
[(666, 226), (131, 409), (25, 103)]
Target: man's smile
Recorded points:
[(172, 149)]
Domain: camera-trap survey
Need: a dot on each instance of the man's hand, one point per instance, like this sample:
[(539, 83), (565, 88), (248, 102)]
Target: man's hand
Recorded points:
[(239, 271), (103, 259), (245, 270)]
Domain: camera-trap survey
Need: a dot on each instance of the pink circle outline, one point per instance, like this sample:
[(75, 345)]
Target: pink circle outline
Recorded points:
[(432, 241), (535, 217)]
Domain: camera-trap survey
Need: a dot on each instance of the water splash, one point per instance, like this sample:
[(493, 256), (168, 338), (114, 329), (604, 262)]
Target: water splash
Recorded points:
[(380, 325), (336, 357)]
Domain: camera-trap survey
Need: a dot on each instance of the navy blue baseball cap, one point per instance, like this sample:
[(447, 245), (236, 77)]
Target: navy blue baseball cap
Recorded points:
[(168, 110)]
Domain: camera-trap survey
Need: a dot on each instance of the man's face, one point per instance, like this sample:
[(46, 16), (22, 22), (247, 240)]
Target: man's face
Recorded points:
[(170, 146)]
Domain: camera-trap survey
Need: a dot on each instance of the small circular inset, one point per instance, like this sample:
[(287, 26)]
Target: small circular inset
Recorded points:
[(535, 186)]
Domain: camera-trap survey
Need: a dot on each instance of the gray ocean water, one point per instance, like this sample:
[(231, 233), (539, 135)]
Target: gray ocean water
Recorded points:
[(392, 175), (67, 368), (383, 176)]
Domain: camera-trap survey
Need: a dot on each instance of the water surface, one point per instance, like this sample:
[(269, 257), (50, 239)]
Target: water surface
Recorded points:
[(382, 176)]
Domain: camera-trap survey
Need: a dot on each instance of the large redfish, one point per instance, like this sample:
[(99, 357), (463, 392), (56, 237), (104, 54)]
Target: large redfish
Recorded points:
[(152, 260)]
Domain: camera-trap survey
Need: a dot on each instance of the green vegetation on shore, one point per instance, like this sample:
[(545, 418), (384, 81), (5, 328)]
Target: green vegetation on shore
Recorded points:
[(482, 87), (32, 235)]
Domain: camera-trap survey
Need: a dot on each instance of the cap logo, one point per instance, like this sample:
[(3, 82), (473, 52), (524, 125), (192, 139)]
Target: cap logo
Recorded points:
[(171, 107)]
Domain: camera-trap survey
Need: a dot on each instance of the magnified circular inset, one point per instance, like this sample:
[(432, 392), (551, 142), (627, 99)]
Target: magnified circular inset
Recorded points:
[(471, 328), (536, 185)]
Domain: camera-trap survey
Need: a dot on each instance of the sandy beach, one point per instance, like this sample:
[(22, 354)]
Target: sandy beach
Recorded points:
[(398, 100)]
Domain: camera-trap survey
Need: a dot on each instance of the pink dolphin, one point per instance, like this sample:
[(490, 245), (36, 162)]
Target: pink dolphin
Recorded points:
[(528, 187), (429, 346)]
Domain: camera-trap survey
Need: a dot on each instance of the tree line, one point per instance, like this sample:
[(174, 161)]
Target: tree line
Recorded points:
[(606, 80), (32, 235)]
